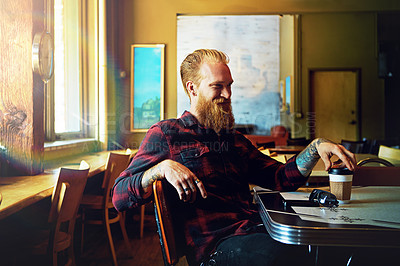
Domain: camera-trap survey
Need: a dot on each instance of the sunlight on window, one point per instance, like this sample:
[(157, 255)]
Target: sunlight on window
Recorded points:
[(67, 92)]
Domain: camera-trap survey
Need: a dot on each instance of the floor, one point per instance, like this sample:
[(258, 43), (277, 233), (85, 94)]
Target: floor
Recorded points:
[(145, 251)]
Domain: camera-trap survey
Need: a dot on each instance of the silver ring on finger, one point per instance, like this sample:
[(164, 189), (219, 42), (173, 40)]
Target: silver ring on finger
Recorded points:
[(186, 189), (197, 181)]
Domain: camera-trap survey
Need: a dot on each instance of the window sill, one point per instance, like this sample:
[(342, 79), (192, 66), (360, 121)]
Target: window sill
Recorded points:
[(61, 144), (58, 151)]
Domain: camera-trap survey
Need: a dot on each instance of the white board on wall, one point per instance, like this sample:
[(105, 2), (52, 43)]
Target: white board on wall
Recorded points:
[(252, 44)]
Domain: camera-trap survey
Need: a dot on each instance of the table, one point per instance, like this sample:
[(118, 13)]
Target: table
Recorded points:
[(330, 227), (19, 192)]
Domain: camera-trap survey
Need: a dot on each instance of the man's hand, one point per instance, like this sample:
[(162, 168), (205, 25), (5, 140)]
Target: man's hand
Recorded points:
[(178, 175), (324, 149), (327, 149)]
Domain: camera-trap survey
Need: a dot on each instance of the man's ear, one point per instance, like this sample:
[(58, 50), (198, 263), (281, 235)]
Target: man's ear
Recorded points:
[(191, 88)]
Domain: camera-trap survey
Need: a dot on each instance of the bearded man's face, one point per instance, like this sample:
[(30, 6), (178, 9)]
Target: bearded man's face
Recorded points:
[(213, 104), (215, 114)]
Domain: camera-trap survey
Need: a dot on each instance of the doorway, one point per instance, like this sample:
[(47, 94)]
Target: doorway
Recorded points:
[(334, 104)]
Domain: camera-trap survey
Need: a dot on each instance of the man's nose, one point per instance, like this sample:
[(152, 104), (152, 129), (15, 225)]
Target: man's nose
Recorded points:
[(226, 93)]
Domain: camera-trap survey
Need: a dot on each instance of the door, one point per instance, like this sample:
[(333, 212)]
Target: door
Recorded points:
[(334, 104)]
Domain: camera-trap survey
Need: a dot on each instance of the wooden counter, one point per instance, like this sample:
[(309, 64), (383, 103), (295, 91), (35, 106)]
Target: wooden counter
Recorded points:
[(19, 192)]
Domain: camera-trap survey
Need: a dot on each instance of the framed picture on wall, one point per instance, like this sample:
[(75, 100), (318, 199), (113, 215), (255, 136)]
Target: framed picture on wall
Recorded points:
[(147, 85)]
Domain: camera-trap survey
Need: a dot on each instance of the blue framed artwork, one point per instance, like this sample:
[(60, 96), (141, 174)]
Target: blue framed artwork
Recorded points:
[(147, 85)]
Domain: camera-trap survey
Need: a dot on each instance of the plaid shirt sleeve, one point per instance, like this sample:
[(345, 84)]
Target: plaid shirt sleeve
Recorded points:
[(272, 174), (127, 189)]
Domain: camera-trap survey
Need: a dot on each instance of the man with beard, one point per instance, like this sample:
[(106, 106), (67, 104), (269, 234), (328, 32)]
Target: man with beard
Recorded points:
[(210, 166)]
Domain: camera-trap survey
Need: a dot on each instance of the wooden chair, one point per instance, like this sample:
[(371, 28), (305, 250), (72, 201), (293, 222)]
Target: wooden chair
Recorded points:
[(95, 204), (355, 146), (388, 152), (372, 146), (67, 195), (169, 236), (374, 160)]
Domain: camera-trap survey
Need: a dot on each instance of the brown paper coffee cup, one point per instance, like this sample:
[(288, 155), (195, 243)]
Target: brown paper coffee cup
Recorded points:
[(340, 182), (340, 186)]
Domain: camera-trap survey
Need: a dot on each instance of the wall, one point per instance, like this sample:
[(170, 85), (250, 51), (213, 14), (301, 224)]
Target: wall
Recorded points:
[(154, 21), (288, 30), (345, 40), (286, 36)]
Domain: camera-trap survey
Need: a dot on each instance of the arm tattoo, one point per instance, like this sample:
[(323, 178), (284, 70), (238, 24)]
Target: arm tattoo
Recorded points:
[(308, 158), (150, 176)]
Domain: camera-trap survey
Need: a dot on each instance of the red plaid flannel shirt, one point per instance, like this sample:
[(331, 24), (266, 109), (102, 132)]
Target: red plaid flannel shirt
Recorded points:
[(225, 164)]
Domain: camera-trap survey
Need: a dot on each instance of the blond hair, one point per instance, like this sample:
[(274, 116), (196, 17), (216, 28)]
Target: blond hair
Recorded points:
[(190, 67)]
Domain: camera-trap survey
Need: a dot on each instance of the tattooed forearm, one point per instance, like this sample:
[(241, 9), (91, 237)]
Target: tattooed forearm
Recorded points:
[(308, 158), (150, 176), (148, 179)]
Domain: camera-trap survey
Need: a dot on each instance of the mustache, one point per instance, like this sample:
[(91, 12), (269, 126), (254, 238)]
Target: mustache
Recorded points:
[(223, 105), (221, 100)]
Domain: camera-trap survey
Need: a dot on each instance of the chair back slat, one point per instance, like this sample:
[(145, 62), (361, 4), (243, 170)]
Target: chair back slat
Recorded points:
[(388, 152), (120, 161), (67, 194), (116, 163)]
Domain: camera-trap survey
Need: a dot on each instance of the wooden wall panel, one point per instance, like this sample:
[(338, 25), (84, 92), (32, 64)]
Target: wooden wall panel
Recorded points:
[(21, 149)]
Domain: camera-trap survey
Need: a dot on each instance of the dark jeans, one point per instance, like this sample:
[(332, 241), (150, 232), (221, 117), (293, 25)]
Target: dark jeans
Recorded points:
[(260, 249)]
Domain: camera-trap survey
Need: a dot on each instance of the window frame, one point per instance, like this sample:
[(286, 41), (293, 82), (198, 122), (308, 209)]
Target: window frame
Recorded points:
[(86, 91)]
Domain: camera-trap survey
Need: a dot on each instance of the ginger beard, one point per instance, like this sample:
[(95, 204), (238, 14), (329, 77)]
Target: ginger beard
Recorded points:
[(216, 114)]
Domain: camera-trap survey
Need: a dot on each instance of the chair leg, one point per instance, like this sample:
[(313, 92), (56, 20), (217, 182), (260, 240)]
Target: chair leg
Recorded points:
[(123, 230), (110, 240), (52, 254), (142, 209)]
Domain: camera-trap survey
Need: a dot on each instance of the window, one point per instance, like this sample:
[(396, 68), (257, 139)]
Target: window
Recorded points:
[(70, 97), (67, 89)]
